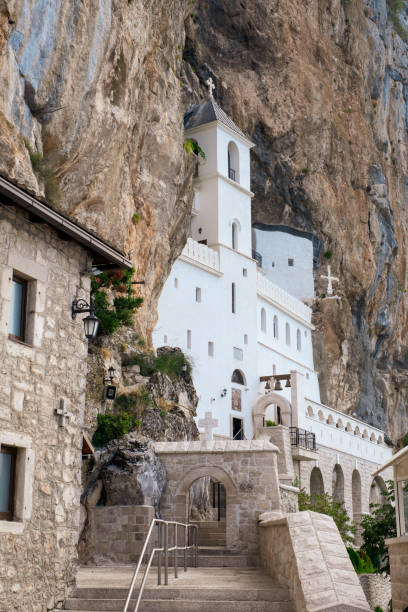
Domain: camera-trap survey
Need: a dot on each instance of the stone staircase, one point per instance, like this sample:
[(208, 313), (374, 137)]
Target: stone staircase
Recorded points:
[(203, 589), (211, 533)]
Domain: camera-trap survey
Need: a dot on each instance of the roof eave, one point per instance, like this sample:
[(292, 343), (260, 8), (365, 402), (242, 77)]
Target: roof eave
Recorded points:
[(95, 245), (221, 124)]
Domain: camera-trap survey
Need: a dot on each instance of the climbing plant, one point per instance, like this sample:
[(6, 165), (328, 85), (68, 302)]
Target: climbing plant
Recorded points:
[(40, 167), (396, 7), (114, 299)]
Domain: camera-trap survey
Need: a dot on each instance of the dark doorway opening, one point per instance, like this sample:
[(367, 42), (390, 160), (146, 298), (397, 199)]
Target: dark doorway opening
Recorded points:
[(237, 429)]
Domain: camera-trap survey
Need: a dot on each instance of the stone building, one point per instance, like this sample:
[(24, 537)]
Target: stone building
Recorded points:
[(45, 263), (237, 301)]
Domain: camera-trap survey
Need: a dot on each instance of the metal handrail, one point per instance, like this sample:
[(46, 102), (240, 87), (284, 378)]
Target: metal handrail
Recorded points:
[(241, 431), (163, 548)]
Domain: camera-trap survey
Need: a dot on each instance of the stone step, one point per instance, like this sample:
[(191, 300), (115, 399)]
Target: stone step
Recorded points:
[(274, 593), (167, 605)]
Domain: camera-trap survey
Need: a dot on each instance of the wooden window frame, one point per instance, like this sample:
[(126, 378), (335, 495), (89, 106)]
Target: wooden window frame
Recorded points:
[(10, 450), (23, 320)]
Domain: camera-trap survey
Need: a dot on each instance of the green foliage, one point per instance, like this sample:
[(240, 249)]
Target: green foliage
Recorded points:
[(404, 440), (324, 504), (192, 146), (361, 561), (328, 254), (378, 609), (40, 167), (270, 424), (163, 413), (305, 170), (395, 7), (175, 365), (377, 527), (133, 404), (113, 426), (113, 316), (136, 218)]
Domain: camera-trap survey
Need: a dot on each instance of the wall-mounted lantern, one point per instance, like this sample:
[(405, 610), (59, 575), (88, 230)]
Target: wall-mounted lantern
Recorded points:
[(110, 377), (91, 322)]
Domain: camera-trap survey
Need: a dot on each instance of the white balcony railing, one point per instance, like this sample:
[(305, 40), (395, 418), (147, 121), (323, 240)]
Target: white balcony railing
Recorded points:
[(343, 432), (201, 254), (269, 290)]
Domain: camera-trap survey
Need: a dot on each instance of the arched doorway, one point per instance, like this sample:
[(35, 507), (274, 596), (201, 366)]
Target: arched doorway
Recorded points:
[(378, 487), (217, 482), (260, 411), (338, 484), (207, 508), (316, 483), (356, 501)]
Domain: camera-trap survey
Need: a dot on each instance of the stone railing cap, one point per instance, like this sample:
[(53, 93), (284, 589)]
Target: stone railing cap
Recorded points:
[(215, 446)]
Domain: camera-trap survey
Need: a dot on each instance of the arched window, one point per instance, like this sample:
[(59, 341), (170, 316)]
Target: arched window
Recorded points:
[(356, 495), (338, 484), (234, 240), (263, 319), (233, 162), (233, 298), (287, 332), (275, 327), (298, 340), (238, 377)]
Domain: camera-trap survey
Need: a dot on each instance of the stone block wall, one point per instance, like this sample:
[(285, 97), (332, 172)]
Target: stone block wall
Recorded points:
[(38, 547), (280, 436), (246, 468), (377, 589), (398, 551), (304, 552), (120, 532)]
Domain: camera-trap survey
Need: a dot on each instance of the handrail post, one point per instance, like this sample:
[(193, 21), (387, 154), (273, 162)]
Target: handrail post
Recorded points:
[(166, 554), (196, 545), (160, 546), (185, 546), (175, 550)]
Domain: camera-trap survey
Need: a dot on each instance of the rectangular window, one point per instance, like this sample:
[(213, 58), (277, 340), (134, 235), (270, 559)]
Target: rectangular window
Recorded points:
[(244, 272), (18, 309), (198, 294), (233, 298), (7, 481), (238, 353), (211, 349), (245, 338), (189, 338), (176, 283), (291, 262), (165, 339)]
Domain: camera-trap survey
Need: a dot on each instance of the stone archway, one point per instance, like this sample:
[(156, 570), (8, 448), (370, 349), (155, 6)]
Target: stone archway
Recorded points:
[(338, 483), (259, 412), (217, 474), (316, 483)]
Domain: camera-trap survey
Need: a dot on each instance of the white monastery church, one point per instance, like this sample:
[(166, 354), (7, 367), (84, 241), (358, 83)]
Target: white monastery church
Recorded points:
[(236, 303)]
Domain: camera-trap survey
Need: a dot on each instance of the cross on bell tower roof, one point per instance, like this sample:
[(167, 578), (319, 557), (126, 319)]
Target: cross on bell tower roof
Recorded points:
[(211, 86)]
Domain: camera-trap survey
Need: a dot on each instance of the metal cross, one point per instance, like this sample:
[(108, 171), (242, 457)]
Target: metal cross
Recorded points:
[(209, 424), (330, 279), (63, 412), (210, 83)]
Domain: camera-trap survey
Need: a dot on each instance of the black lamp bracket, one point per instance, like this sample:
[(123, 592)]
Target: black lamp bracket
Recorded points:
[(80, 306)]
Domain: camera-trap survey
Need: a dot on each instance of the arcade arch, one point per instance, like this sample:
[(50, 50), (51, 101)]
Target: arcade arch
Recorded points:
[(338, 483), (316, 483), (356, 495), (260, 412)]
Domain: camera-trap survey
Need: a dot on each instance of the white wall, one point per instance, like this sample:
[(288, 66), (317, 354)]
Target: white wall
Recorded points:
[(277, 248)]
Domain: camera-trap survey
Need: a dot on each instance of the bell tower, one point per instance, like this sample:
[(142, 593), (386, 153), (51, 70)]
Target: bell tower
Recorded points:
[(222, 215)]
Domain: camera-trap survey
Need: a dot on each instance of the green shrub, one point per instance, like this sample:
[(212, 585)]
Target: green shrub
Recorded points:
[(175, 365), (377, 527), (192, 146), (270, 424), (395, 7), (113, 426), (361, 561), (327, 505), (111, 317), (132, 403), (328, 254)]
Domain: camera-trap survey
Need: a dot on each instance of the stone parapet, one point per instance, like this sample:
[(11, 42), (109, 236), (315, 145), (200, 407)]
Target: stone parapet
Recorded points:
[(215, 446), (305, 553), (377, 589), (119, 532), (398, 551)]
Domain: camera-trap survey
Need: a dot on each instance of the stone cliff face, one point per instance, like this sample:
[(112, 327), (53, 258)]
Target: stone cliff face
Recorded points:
[(94, 87), (321, 87)]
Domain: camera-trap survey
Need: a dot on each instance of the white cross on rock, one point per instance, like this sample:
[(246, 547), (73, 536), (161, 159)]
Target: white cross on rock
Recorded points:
[(63, 413), (209, 424), (210, 83), (330, 279)]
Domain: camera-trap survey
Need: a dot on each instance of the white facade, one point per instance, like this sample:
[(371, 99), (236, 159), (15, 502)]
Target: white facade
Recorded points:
[(287, 258), (226, 314)]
